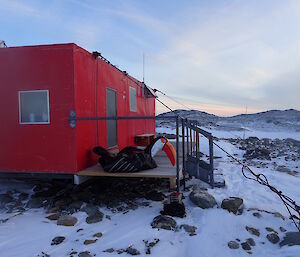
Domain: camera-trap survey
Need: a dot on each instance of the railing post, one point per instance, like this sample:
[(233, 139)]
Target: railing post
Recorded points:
[(187, 138), (197, 152), (211, 161), (177, 154), (191, 137), (183, 152)]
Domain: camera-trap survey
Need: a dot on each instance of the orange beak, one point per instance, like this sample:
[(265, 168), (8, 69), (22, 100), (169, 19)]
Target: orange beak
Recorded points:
[(170, 152)]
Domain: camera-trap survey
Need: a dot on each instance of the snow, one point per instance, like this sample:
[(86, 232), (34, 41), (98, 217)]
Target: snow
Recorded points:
[(31, 233)]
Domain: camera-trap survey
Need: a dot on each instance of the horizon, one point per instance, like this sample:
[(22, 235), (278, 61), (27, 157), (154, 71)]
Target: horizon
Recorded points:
[(221, 57), (227, 116)]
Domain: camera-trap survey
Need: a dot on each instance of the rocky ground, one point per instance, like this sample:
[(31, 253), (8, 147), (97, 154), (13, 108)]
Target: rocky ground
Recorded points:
[(112, 217), (282, 155)]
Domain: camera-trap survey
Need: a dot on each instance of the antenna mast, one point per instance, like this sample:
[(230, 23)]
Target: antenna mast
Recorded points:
[(143, 67)]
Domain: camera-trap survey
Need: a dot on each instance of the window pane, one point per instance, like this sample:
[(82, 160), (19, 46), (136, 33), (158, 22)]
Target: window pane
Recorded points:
[(34, 107), (132, 99)]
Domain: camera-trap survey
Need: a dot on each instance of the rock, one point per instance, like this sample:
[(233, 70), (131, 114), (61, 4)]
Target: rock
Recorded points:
[(23, 196), (189, 229), (246, 246), (233, 204), (132, 251), (282, 168), (269, 229), (273, 238), (290, 239), (164, 222), (94, 215), (90, 241), (5, 198), (202, 186), (74, 207), (54, 216), (257, 215), (90, 209), (99, 234), (52, 210), (35, 203), (67, 220), (282, 229), (84, 254), (256, 153), (202, 199), (109, 250), (174, 209), (250, 241), (150, 245), (62, 203), (57, 240), (155, 196), (233, 245), (94, 218), (253, 231)]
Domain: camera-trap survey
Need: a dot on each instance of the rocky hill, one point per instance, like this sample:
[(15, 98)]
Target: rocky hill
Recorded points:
[(268, 120)]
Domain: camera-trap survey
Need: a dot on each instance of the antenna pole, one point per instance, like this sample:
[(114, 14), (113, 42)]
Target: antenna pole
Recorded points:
[(143, 67)]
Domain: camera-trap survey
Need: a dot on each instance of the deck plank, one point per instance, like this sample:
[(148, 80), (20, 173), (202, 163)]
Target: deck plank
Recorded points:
[(164, 170)]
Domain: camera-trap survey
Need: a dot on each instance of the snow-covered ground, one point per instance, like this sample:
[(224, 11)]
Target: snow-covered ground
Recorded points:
[(29, 233)]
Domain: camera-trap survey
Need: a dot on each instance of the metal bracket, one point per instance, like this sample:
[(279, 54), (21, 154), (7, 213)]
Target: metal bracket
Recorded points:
[(72, 119)]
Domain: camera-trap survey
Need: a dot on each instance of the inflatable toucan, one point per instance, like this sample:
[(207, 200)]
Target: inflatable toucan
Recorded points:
[(132, 159)]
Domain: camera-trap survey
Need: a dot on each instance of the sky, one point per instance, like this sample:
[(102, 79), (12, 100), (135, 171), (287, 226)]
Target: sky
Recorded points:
[(224, 57)]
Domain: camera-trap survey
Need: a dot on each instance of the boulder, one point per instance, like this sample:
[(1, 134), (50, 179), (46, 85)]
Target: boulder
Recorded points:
[(273, 238), (57, 240), (189, 229), (233, 204), (155, 196), (99, 234), (282, 229), (67, 220), (269, 229), (233, 245), (257, 215), (89, 241), (74, 207), (94, 215), (253, 231), (35, 203), (132, 251), (164, 222), (290, 239), (84, 254), (94, 218), (202, 199), (109, 250), (250, 241), (246, 246), (54, 216)]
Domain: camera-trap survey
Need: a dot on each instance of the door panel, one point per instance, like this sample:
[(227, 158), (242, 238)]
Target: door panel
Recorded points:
[(111, 111)]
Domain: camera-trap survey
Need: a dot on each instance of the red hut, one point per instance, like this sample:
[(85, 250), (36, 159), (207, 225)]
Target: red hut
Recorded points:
[(41, 87)]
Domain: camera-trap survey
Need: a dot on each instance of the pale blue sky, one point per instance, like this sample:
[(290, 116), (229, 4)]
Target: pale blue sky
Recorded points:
[(216, 56)]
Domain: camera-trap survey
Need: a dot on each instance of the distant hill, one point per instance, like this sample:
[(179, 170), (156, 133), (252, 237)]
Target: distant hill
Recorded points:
[(268, 120)]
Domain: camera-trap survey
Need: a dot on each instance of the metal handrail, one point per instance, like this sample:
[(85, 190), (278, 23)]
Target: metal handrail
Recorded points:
[(191, 140)]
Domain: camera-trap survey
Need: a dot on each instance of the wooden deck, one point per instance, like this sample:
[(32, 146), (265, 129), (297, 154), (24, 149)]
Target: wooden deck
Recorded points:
[(164, 170)]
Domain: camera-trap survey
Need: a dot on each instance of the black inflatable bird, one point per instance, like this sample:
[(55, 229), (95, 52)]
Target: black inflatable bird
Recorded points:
[(132, 159)]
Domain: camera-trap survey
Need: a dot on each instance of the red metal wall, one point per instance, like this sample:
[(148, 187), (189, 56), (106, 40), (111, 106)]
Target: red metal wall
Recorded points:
[(92, 77), (44, 147), (76, 81)]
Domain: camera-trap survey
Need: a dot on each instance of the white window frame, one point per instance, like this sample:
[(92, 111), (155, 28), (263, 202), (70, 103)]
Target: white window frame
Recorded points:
[(48, 107), (132, 110)]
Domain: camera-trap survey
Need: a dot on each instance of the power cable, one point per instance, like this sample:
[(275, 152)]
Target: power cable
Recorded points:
[(288, 202)]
